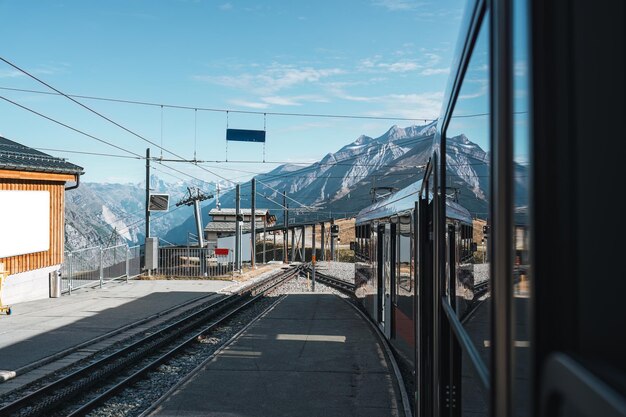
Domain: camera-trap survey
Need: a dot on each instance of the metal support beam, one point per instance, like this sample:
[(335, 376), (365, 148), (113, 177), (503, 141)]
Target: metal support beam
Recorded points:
[(322, 231), (264, 236), (313, 257), (293, 244), (332, 241), (500, 246), (253, 224), (147, 193), (198, 214), (303, 236), (285, 230), (237, 228)]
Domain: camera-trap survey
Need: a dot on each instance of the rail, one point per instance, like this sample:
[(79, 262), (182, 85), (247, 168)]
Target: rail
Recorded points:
[(336, 283)]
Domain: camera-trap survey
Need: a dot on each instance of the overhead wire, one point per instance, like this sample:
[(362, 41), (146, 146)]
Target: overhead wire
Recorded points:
[(100, 115), (222, 110), (135, 155)]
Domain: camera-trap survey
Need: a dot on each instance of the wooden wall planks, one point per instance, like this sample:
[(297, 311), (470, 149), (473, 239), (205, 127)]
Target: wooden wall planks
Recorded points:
[(54, 255)]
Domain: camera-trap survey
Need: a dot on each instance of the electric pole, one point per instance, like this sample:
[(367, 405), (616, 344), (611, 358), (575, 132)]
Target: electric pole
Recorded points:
[(147, 193), (237, 228), (253, 224), (285, 225)]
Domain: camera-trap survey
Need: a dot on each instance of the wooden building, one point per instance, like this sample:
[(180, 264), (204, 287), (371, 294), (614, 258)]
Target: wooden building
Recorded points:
[(32, 221)]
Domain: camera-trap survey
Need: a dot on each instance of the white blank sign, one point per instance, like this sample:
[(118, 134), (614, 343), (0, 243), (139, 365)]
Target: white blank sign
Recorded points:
[(24, 222)]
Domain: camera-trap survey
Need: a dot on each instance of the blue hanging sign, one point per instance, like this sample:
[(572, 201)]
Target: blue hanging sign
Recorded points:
[(245, 135)]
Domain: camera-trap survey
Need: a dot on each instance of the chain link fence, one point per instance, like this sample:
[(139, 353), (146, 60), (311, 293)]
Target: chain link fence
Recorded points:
[(97, 265)]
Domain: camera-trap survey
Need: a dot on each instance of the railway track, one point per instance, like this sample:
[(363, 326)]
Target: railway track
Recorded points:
[(31, 374), (140, 357), (340, 284)]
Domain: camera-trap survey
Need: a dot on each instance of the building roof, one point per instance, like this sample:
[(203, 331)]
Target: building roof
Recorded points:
[(232, 212), (229, 227), (17, 157)]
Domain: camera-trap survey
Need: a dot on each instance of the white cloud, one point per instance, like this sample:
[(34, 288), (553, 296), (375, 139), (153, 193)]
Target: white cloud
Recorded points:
[(226, 6), (10, 74), (273, 79), (415, 106), (520, 68), (374, 64), (403, 66), (293, 100), (281, 101), (435, 71), (249, 104), (396, 5)]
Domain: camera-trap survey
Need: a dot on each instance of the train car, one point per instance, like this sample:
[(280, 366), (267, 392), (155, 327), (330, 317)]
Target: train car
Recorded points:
[(528, 320), (385, 259)]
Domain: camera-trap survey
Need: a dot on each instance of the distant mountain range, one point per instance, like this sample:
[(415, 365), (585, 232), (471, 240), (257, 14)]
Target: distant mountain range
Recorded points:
[(339, 185), (107, 214)]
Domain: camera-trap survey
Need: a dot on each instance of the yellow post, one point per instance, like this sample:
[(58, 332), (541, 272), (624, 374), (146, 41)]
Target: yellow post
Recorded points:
[(3, 275)]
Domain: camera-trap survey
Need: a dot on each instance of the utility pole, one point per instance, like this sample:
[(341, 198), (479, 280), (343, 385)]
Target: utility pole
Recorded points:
[(332, 240), (285, 225), (313, 257), (253, 224), (237, 229), (303, 257), (147, 193), (264, 235), (293, 244), (323, 225)]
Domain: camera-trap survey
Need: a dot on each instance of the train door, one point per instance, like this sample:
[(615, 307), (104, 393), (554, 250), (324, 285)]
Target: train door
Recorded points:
[(424, 302), (380, 262), (386, 276)]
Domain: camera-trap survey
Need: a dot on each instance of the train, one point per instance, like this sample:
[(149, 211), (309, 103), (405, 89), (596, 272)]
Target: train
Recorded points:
[(496, 273)]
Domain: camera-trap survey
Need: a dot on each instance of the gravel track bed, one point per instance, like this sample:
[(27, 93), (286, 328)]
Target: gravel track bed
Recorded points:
[(303, 285), (339, 270)]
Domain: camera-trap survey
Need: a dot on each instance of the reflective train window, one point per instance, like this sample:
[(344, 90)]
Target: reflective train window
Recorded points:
[(521, 186), (403, 248), (467, 230)]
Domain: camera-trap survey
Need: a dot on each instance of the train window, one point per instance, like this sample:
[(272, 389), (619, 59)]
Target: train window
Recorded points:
[(467, 187), (522, 165), (467, 193), (403, 247)]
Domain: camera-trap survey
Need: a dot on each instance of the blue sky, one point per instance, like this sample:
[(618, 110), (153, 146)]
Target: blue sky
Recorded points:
[(386, 58)]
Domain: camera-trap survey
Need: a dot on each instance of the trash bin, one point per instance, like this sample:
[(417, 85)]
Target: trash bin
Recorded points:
[(55, 284)]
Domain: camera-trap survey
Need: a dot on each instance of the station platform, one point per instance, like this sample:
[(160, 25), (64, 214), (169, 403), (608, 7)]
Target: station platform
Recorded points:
[(310, 355), (42, 328)]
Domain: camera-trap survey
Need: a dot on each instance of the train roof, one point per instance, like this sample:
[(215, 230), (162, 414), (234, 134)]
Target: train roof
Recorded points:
[(404, 201)]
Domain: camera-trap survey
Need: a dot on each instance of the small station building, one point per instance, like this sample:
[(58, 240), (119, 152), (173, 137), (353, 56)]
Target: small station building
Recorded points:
[(223, 223), (32, 219)]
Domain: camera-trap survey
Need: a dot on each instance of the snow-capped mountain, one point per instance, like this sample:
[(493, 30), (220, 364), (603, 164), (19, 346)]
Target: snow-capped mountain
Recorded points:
[(339, 185)]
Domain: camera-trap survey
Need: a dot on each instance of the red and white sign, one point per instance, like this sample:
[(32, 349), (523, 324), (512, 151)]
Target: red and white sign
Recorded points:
[(221, 251)]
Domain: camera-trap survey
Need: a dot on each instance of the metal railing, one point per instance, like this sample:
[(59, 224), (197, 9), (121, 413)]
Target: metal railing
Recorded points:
[(97, 265), (186, 261)]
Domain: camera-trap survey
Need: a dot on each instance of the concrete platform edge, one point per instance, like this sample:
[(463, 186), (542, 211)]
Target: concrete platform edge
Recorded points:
[(10, 374), (396, 370)]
